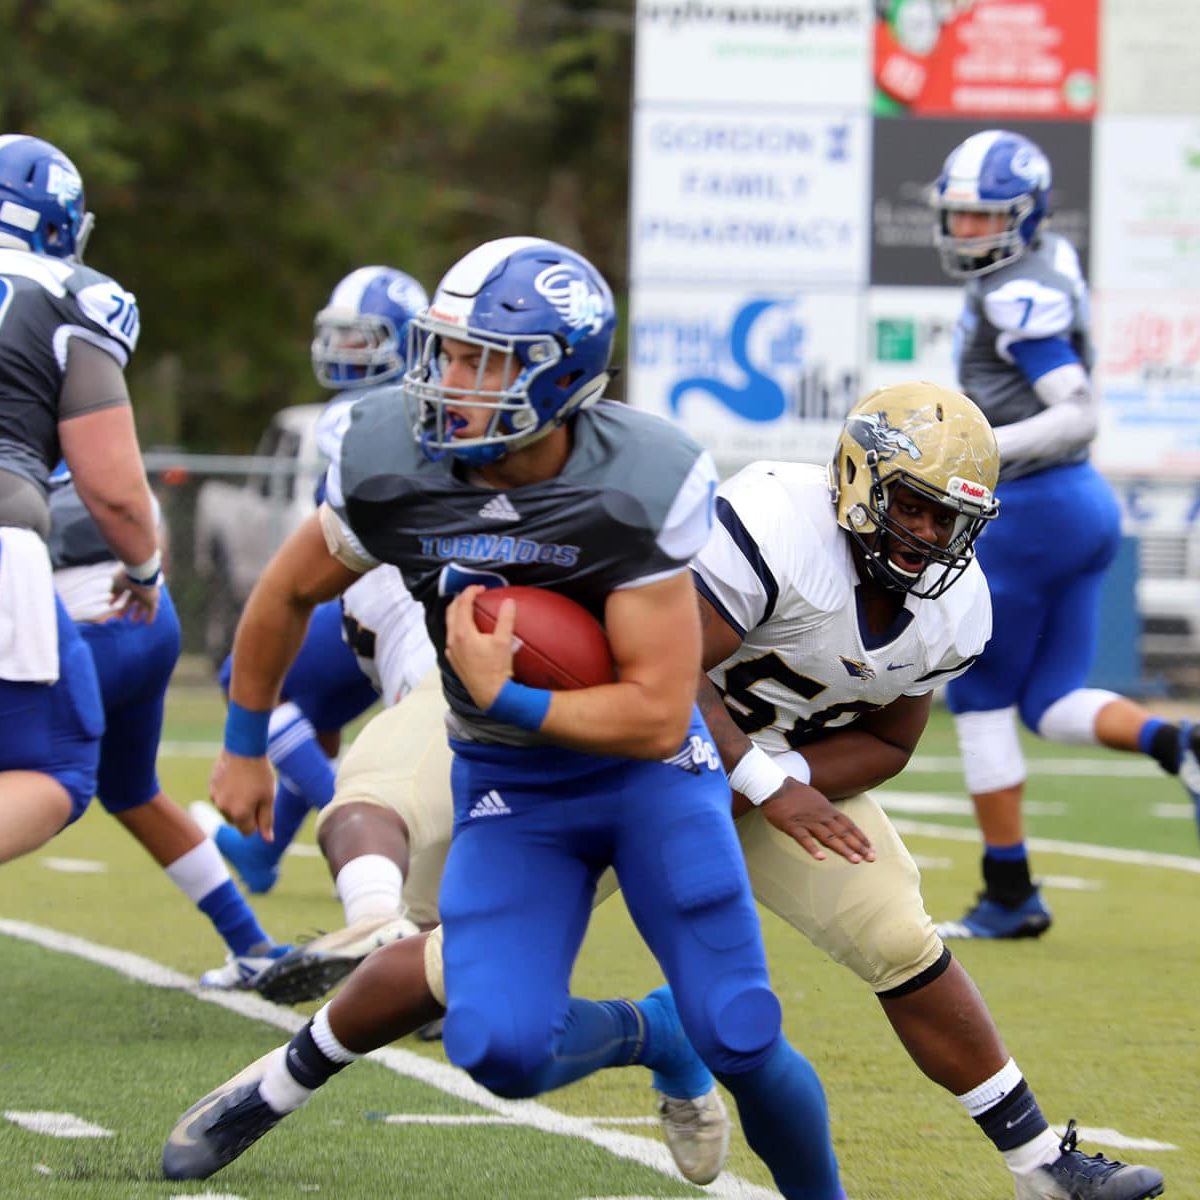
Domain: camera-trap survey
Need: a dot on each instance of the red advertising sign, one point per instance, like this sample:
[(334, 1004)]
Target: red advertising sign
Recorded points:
[(987, 58)]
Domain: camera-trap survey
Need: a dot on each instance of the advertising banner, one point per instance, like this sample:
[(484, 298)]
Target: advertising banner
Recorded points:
[(749, 372), (1148, 56), (910, 335), (717, 52), (908, 155), (1148, 376), (1147, 214), (748, 195), (986, 58)]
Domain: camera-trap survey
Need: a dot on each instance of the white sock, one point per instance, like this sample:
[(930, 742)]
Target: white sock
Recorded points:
[(370, 886), (278, 1086), (1026, 1159), (199, 871), (327, 1040)]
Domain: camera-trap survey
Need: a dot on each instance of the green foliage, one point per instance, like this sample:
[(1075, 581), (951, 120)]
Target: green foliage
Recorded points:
[(242, 158)]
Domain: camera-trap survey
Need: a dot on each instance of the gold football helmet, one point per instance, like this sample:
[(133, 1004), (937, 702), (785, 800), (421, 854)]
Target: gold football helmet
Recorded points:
[(937, 443)]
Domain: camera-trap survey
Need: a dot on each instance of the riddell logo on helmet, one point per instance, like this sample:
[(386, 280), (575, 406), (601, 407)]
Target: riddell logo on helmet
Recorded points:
[(972, 491), (440, 314)]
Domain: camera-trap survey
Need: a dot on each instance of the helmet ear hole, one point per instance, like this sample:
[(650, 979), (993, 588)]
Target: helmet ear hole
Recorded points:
[(850, 469)]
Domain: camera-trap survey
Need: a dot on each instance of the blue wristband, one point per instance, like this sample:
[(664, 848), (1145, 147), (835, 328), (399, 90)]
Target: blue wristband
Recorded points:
[(518, 705), (246, 731)]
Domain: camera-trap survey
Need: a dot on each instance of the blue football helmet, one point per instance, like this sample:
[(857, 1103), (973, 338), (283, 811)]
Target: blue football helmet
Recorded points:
[(361, 335), (547, 311), (991, 172), (42, 206)]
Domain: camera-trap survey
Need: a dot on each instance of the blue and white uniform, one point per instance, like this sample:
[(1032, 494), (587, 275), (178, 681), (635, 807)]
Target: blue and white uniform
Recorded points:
[(1019, 326)]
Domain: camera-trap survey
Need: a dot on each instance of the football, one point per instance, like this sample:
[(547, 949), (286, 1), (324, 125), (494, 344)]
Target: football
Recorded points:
[(559, 644)]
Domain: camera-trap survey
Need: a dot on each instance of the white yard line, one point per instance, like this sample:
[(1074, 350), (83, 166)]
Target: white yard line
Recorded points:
[(445, 1078), (1129, 858)]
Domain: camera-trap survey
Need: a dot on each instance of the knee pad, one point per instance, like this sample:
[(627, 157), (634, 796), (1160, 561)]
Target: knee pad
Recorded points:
[(744, 1021), (1072, 718), (991, 754), (495, 1051)]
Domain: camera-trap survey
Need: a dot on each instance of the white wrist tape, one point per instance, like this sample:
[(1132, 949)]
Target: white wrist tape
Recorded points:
[(795, 764), (757, 776), (145, 573)]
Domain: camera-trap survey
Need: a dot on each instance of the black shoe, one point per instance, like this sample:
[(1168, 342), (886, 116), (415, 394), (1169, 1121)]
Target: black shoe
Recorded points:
[(1078, 1176), (217, 1128)]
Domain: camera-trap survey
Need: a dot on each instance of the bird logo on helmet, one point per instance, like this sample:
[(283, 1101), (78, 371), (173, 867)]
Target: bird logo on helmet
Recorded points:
[(42, 206), (997, 173), (550, 315), (933, 441)]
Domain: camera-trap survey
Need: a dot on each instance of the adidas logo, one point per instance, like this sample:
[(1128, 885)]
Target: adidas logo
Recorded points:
[(490, 805), (499, 508)]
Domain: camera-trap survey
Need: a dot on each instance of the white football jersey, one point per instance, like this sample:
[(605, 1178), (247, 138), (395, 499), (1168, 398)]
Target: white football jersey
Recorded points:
[(386, 631), (780, 571)]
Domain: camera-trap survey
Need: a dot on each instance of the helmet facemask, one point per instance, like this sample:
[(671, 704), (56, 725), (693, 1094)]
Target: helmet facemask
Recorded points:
[(355, 349), (968, 257), (536, 366), (879, 534)]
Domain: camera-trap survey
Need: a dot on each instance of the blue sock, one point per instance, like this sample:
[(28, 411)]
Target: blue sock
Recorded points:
[(622, 1033), (786, 1122), (1146, 734), (233, 918), (678, 1069), (290, 810), (295, 753), (596, 1034), (1007, 853)]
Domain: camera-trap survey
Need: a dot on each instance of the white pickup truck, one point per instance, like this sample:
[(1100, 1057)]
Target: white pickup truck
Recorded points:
[(238, 526)]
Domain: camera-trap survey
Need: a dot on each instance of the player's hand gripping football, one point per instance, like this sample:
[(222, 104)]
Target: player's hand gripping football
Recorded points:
[(808, 817), (243, 789), (483, 661)]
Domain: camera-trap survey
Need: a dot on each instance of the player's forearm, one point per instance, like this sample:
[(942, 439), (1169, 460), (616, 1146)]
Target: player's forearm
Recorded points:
[(268, 638), (1067, 424), (731, 743), (106, 467), (625, 719), (851, 761)]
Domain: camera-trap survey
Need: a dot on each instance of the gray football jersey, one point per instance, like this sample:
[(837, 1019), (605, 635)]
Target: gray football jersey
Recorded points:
[(44, 302), (633, 503), (1041, 295)]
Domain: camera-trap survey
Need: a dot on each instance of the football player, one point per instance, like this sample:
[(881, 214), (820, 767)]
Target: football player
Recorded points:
[(66, 333), (134, 661), (1025, 356), (360, 341), (607, 505), (826, 629)]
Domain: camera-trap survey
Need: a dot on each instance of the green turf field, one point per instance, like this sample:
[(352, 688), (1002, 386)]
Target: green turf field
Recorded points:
[(1103, 1014)]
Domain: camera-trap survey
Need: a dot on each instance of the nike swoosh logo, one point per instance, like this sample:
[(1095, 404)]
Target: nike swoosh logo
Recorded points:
[(181, 1135), (898, 666)]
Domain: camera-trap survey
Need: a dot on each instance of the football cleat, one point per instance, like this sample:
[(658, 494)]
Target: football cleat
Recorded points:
[(220, 1126), (989, 919), (1078, 1176), (697, 1134), (241, 971), (1189, 767), (310, 969)]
